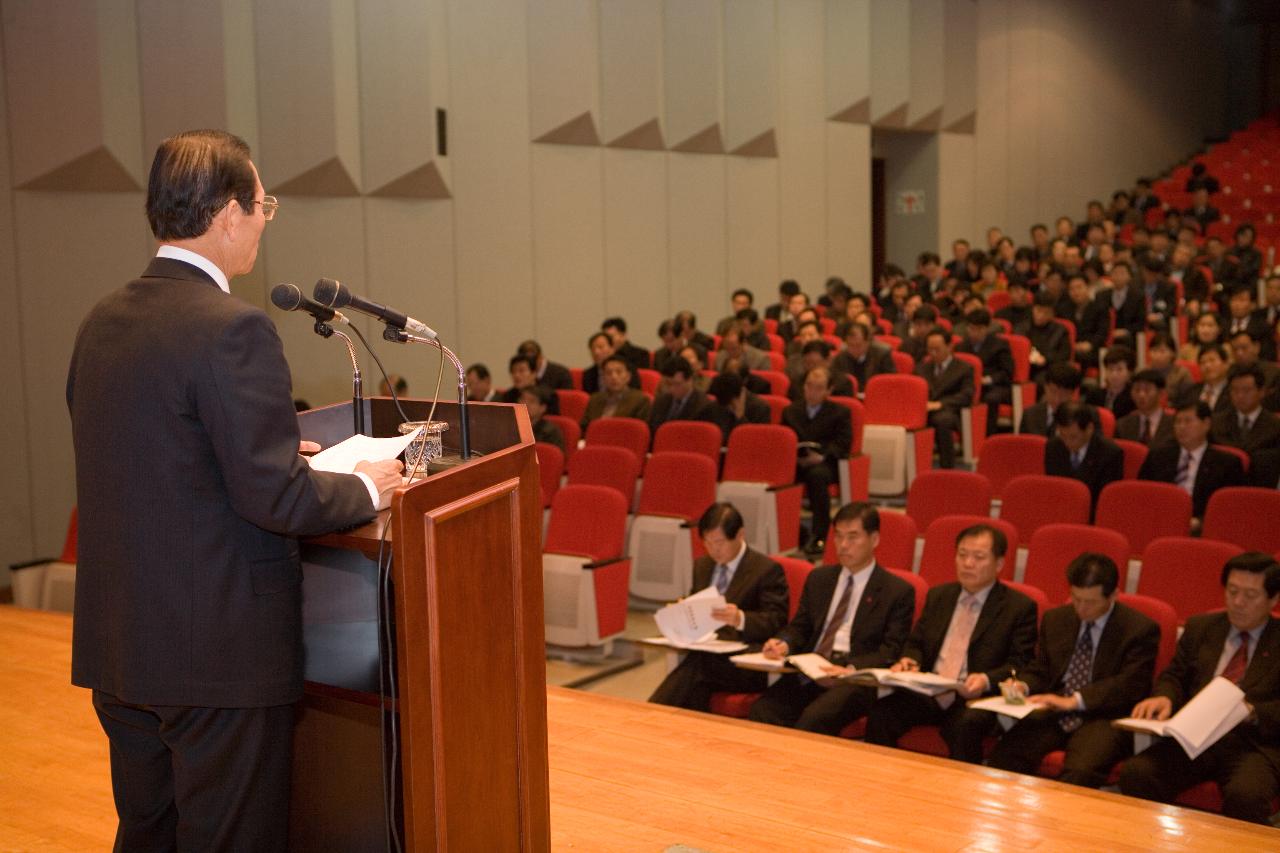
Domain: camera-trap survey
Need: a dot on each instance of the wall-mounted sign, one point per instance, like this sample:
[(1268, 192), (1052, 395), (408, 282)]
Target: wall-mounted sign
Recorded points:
[(909, 202)]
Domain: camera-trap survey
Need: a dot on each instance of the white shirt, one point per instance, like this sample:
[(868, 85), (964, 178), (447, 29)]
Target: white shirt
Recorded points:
[(981, 595), (857, 577), (187, 256)]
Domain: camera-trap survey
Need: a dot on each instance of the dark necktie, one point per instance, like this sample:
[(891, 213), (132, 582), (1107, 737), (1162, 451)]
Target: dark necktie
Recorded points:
[(828, 642), (1078, 670), (1183, 478), (1146, 429), (1235, 668), (722, 579)]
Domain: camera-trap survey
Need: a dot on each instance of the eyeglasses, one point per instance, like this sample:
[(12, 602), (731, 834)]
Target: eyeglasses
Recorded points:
[(269, 207)]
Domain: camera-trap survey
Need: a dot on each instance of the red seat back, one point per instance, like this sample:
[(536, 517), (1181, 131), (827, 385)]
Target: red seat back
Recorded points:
[(1020, 349), (1135, 453), (938, 562), (689, 436), (1035, 594), (571, 431), (1246, 516), (903, 362), (605, 465), (1108, 420), (1034, 500), (1007, 456), (779, 384), (629, 433), (921, 587), (1237, 453), (649, 380), (777, 405), (573, 404), (897, 399), (550, 469), (797, 572), (1185, 572), (678, 484), (1165, 616), (761, 453), (1054, 546), (857, 419), (1143, 510), (976, 363), (587, 521), (934, 494)]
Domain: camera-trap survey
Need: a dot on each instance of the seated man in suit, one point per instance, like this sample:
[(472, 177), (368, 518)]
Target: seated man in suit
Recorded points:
[(1050, 343), (976, 630), (755, 592), (617, 399), (1246, 351), (616, 328), (600, 345), (1125, 299), (1212, 387), (686, 327), (779, 310), (863, 356), (1093, 324), (1268, 315), (1190, 463), (1079, 450), (915, 341), (1246, 424), (523, 372), (855, 613), (671, 345), (537, 399), (680, 401), (1241, 644), (1117, 373), (1061, 382), (1159, 296), (1018, 311), (986, 342), (1201, 210), (818, 354), (950, 389), (1095, 659), (554, 376), (479, 384), (817, 420), (1148, 422), (732, 405), (741, 298), (732, 346)]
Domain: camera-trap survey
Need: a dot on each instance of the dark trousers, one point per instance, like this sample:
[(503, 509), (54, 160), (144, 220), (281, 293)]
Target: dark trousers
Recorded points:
[(1246, 778), (797, 702), (945, 423), (817, 481), (199, 778), (700, 674), (962, 728), (995, 396), (1092, 750)]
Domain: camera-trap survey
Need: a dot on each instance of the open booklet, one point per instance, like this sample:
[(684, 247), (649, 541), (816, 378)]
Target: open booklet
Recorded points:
[(1211, 713), (1002, 706), (926, 683), (688, 622)]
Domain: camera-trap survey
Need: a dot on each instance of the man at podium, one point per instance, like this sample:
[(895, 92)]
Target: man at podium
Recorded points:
[(190, 490)]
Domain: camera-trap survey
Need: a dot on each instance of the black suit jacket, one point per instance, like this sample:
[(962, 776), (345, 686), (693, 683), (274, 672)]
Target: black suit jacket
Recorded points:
[(1217, 469), (1129, 428), (997, 359), (953, 388), (1132, 314), (1193, 392), (879, 359), (1264, 434), (755, 411), (190, 490), (1103, 463), (1019, 318), (1120, 406), (1004, 638), (1093, 324), (1196, 659), (1123, 663), (880, 623), (1052, 341), (696, 408), (1035, 420), (830, 428), (759, 588), (556, 376)]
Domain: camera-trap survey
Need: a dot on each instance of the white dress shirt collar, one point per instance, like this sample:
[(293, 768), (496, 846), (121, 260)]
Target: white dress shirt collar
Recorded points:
[(187, 256)]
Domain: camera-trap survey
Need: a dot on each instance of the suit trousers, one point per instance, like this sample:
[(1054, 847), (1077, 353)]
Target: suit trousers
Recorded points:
[(962, 728), (1247, 780), (818, 480), (945, 423), (1092, 750), (798, 702), (700, 674), (995, 396), (209, 779)]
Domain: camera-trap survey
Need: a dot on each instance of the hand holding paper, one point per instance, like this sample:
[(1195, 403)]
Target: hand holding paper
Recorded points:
[(689, 620)]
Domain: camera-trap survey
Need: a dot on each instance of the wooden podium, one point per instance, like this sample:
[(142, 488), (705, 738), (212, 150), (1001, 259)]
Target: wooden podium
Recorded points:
[(449, 751)]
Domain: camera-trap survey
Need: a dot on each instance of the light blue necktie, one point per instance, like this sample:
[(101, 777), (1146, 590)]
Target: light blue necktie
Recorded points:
[(722, 579)]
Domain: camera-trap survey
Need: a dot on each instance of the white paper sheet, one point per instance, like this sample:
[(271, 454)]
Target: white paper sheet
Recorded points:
[(757, 660), (719, 647), (1217, 709), (811, 665), (998, 705), (689, 619), (343, 457)]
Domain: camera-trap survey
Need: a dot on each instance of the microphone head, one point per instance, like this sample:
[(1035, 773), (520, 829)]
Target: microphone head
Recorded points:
[(286, 297), (331, 293)]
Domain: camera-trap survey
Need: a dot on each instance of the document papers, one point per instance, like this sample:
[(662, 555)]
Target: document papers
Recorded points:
[(757, 660), (926, 683), (1211, 713), (343, 457), (811, 665), (689, 619), (719, 647), (999, 705)]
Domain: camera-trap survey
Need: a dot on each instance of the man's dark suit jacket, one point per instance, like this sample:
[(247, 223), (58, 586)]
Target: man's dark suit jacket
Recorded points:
[(1035, 419), (1163, 299), (591, 380), (1132, 314), (1222, 404), (997, 359), (880, 623), (1196, 659), (1266, 318), (1204, 215), (190, 490), (953, 388), (879, 359), (1123, 662), (830, 428), (1052, 341), (1129, 428), (1103, 463), (632, 404), (556, 376), (1018, 318), (696, 408), (1093, 324), (1120, 406), (637, 357), (1217, 469), (755, 411), (1004, 638), (1264, 434), (759, 588)]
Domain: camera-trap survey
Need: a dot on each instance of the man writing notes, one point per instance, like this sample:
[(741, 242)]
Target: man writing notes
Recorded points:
[(1094, 661), (755, 592), (190, 490), (856, 614), (1241, 644), (973, 629)]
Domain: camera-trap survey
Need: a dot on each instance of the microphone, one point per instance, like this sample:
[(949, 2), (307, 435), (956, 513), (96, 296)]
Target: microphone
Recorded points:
[(289, 297), (334, 294)]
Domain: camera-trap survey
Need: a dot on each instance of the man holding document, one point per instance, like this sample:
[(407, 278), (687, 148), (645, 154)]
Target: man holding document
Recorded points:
[(1095, 660), (854, 613), (1241, 645), (755, 592), (974, 630)]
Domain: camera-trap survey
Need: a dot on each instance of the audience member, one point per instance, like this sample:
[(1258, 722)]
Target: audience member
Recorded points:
[(1018, 312), (1191, 463), (671, 344), (600, 345), (1147, 423), (756, 599), (1050, 343), (986, 342), (1212, 387), (950, 389), (975, 630), (480, 384), (1094, 661), (616, 328), (1080, 451), (1246, 350), (1241, 644), (1201, 210), (778, 310), (1061, 382), (733, 405), (1269, 315), (554, 376), (914, 341), (1125, 299), (1246, 255), (863, 357), (856, 614), (732, 346), (616, 398), (1093, 324), (1240, 313), (681, 401), (1201, 179), (1246, 424), (741, 298), (826, 436), (537, 400), (685, 325), (818, 354), (1114, 392), (929, 274), (1160, 358), (523, 371)]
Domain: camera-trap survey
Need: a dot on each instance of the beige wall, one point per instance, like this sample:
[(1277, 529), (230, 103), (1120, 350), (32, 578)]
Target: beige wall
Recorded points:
[(688, 147)]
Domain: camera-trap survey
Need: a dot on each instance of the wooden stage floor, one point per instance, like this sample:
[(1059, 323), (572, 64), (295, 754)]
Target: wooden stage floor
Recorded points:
[(626, 776)]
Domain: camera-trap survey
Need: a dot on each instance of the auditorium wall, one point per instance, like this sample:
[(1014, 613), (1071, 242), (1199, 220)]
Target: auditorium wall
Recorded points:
[(628, 157)]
